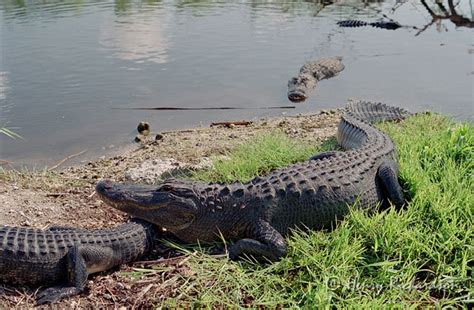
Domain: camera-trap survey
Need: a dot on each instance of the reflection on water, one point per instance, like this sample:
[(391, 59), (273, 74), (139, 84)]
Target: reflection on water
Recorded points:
[(66, 65), (136, 38), (3, 85), (4, 107), (450, 14)]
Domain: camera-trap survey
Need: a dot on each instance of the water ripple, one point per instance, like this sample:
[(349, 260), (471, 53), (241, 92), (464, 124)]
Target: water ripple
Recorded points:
[(139, 38)]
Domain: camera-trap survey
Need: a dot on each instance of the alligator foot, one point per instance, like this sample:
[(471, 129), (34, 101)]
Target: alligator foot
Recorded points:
[(387, 174), (268, 244), (53, 294)]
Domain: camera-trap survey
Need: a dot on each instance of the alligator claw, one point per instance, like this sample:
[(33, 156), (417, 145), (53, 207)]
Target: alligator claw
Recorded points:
[(218, 250), (53, 294)]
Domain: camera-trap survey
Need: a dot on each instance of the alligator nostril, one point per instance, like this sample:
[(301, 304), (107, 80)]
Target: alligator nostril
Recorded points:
[(104, 185)]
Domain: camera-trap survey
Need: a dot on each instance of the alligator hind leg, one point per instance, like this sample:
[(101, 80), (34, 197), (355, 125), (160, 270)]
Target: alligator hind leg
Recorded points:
[(81, 260), (387, 175), (267, 243)]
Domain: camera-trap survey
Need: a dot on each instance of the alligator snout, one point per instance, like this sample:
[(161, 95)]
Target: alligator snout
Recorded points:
[(296, 96), (103, 185)]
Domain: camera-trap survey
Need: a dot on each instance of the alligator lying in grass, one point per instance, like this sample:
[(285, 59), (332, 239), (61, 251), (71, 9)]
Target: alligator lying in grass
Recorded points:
[(314, 194), (66, 255), (390, 25), (311, 73)]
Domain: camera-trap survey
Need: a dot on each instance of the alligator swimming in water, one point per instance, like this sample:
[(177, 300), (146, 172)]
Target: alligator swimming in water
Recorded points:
[(314, 194), (311, 73), (65, 256), (389, 25), (350, 23)]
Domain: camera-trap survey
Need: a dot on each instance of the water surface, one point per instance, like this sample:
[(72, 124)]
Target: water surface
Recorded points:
[(66, 65)]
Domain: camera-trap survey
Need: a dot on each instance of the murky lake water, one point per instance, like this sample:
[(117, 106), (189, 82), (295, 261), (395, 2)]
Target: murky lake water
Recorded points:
[(65, 65)]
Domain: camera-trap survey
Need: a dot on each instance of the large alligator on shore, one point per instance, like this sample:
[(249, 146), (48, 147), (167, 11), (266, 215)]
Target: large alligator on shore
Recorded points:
[(300, 86), (309, 195), (65, 256)]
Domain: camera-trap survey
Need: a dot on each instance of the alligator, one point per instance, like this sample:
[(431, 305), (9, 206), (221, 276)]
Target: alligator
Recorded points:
[(315, 194), (66, 256), (389, 25), (311, 73)]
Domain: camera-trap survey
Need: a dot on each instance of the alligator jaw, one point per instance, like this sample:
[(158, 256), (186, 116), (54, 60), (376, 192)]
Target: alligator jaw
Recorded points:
[(122, 196), (163, 205), (296, 96)]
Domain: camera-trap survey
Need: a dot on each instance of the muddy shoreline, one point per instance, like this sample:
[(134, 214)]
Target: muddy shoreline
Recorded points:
[(66, 196)]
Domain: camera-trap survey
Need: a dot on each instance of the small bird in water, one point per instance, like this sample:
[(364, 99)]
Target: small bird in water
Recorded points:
[(143, 128), (143, 131)]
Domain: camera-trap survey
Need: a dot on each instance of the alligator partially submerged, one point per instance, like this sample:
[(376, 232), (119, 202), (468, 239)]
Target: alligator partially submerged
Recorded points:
[(310, 195), (65, 256), (301, 86), (389, 25)]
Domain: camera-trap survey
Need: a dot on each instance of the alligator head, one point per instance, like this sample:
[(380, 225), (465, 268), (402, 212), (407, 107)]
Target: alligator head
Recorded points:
[(299, 87), (172, 207)]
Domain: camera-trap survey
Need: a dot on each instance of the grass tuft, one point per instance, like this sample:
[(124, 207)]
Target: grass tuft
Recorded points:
[(9, 133)]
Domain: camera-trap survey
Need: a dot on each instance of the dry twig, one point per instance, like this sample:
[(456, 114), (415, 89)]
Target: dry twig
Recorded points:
[(66, 159), (232, 123)]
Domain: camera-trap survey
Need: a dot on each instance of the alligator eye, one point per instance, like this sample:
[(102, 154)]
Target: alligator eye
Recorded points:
[(166, 188)]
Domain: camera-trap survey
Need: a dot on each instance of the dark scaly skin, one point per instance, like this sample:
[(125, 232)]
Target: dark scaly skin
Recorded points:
[(310, 195), (310, 74), (65, 256), (389, 25)]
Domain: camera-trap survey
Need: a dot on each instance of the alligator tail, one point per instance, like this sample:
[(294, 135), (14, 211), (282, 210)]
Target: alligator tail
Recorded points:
[(375, 112), (354, 132), (352, 23)]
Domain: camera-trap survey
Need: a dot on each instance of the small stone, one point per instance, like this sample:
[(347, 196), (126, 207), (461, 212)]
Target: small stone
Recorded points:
[(158, 137), (140, 138)]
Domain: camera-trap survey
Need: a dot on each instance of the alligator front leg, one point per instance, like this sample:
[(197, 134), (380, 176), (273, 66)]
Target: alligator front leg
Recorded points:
[(387, 175), (81, 260), (266, 242)]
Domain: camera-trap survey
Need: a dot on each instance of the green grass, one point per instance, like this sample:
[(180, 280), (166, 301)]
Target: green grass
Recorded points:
[(259, 156), (421, 256)]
